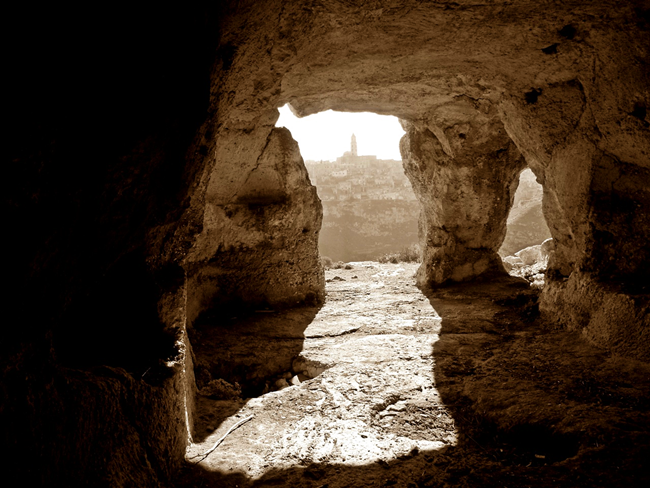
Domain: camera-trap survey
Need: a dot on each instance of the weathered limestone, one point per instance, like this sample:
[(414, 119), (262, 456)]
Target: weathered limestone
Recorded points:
[(259, 244), (464, 170), (595, 204), (571, 92)]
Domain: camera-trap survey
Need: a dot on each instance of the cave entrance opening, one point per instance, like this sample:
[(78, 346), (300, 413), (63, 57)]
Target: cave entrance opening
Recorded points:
[(349, 382), (527, 244), (368, 352), (370, 212)]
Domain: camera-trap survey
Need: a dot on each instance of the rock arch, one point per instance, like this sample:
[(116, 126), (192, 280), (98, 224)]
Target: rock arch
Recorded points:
[(477, 109)]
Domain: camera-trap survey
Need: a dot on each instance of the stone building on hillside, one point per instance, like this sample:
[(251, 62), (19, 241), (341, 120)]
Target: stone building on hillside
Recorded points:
[(360, 177), (351, 158)]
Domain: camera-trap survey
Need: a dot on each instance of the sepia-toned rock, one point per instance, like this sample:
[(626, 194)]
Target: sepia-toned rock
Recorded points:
[(147, 188)]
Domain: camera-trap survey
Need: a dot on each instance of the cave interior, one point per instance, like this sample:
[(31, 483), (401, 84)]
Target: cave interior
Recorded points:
[(148, 185)]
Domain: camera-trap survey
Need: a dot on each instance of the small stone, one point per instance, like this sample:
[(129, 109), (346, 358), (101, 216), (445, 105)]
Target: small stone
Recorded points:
[(513, 261), (295, 380), (398, 407), (530, 255), (281, 384)]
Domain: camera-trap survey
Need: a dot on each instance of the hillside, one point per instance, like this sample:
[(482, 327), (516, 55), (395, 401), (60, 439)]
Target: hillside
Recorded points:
[(361, 230), (369, 208), (526, 223)]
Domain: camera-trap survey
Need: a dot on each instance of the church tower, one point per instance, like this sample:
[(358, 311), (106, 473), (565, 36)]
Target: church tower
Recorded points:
[(354, 145)]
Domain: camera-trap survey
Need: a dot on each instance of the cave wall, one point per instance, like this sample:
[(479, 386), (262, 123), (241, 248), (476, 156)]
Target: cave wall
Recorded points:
[(259, 245), (569, 83), (595, 205), (101, 159)]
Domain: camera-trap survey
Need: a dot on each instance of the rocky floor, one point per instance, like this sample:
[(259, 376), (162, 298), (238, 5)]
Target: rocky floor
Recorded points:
[(462, 387)]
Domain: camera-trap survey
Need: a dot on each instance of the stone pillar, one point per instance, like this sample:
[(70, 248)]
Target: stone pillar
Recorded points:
[(259, 244), (464, 170)]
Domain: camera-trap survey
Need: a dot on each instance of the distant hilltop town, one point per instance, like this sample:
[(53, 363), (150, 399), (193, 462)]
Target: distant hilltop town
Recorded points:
[(369, 208), (354, 177)]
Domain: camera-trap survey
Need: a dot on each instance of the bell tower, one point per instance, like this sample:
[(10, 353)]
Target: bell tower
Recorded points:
[(353, 149)]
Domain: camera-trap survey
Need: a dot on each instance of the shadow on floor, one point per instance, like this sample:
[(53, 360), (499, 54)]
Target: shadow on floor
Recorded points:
[(249, 349), (533, 406)]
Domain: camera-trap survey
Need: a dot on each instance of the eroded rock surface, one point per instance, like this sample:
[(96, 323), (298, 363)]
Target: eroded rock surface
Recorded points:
[(567, 91), (368, 355), (464, 170), (465, 387), (259, 243)]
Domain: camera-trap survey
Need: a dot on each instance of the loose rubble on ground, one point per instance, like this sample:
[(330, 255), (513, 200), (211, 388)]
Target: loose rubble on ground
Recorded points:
[(530, 263)]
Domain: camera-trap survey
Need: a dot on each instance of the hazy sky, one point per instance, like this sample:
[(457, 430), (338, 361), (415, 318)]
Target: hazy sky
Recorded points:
[(326, 135)]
